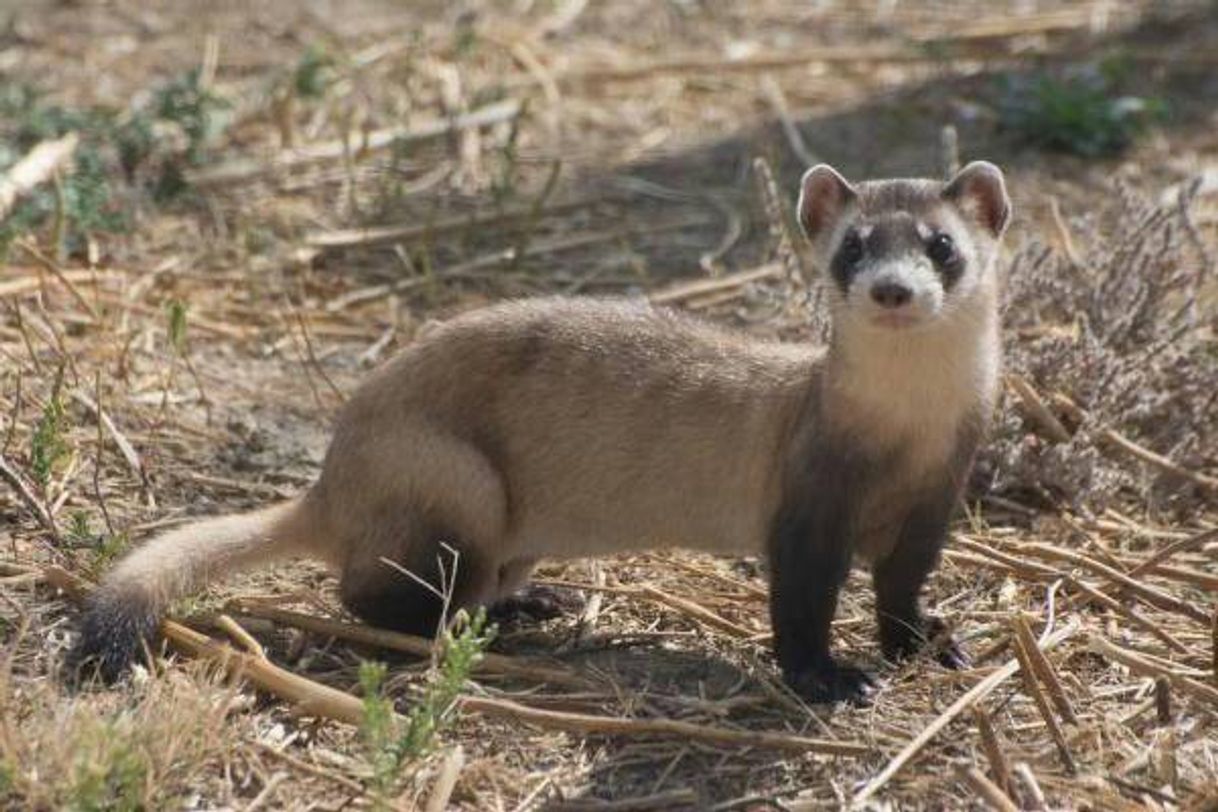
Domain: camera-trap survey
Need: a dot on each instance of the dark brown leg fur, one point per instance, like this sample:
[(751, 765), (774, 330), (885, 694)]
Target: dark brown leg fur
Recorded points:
[(382, 595)]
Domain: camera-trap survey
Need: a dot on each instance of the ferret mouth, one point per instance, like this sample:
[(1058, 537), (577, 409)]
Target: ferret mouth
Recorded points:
[(890, 320)]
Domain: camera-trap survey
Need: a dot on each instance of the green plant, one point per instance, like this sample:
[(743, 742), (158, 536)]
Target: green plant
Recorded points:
[(108, 775), (79, 532), (391, 741), (84, 199), (503, 185), (177, 326), (1081, 111), (48, 448), (195, 108), (314, 73), (176, 332), (84, 202), (378, 727), (107, 549), (465, 35), (30, 120), (135, 141)]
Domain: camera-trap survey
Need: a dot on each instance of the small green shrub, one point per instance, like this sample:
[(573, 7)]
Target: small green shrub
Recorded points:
[(85, 199), (390, 743), (314, 73), (111, 141), (195, 108), (1080, 112), (108, 775), (79, 532), (48, 448)]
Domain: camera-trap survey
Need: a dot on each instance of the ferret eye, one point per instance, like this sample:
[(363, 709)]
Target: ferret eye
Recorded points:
[(851, 251), (941, 249)]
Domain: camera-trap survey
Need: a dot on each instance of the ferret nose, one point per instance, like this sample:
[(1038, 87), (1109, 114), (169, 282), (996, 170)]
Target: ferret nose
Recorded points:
[(891, 294)]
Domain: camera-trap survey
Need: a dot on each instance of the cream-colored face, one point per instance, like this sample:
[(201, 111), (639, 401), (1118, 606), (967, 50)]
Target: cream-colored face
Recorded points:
[(905, 254)]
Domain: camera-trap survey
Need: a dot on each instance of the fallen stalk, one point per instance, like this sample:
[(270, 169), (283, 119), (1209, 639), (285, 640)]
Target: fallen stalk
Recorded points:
[(974, 695), (376, 235), (1208, 484), (407, 643), (10, 475), (987, 790), (429, 129), (1149, 594), (699, 287), (616, 725), (1140, 665), (37, 167)]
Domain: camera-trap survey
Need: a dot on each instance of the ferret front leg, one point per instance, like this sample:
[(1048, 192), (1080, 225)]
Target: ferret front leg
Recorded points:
[(810, 557), (898, 579)]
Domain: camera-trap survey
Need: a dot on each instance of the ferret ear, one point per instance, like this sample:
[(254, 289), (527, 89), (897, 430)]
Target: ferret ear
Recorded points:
[(824, 195), (981, 193)]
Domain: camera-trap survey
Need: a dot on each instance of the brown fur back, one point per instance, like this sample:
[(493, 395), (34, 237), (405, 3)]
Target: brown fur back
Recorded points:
[(590, 427)]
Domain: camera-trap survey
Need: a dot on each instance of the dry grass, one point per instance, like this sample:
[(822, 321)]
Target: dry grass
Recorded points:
[(189, 364)]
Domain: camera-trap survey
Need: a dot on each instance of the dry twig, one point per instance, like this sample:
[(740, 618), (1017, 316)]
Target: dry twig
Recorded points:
[(1032, 688), (241, 170), (990, 793), (446, 781), (1044, 670), (975, 694), (999, 768), (410, 644), (10, 474), (37, 167), (1037, 409), (1207, 483), (1141, 665), (306, 697), (616, 725)]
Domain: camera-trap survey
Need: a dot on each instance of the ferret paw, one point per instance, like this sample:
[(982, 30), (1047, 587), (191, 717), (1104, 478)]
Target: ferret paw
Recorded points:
[(534, 603), (832, 682), (899, 641)]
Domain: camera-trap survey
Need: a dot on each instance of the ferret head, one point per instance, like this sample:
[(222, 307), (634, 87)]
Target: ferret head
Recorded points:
[(905, 254)]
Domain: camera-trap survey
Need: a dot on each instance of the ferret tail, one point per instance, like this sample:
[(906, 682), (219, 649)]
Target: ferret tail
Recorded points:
[(121, 616)]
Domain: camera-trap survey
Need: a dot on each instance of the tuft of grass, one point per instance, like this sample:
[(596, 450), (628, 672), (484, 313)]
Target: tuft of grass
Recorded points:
[(390, 744), (48, 447), (177, 326), (465, 35), (105, 547), (108, 774), (108, 549), (155, 748), (1080, 112), (79, 532)]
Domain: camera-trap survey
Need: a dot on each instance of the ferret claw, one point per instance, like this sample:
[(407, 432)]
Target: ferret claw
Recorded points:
[(833, 683)]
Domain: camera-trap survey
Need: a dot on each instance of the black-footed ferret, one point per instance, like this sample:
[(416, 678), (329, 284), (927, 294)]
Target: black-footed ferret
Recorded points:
[(564, 427)]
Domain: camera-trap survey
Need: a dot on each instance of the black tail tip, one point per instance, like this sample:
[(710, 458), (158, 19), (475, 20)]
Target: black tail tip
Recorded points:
[(115, 633)]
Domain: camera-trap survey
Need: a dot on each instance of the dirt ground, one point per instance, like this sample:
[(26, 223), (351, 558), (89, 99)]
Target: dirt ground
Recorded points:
[(341, 174)]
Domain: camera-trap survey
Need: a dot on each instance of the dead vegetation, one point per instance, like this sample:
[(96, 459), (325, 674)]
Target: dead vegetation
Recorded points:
[(214, 226)]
